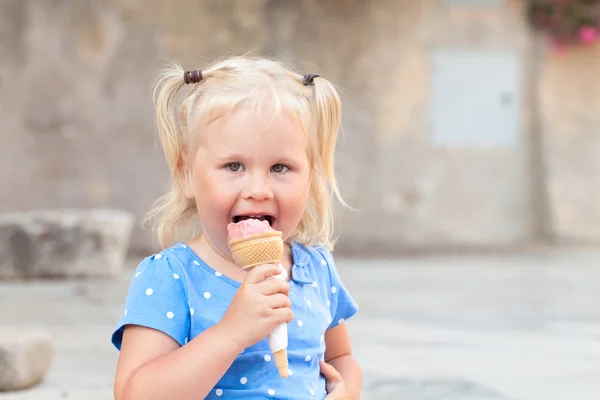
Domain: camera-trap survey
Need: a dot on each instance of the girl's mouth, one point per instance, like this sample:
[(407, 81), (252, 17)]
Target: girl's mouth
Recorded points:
[(269, 218)]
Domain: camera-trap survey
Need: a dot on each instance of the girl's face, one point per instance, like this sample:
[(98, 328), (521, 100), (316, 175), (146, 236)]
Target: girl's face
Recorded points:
[(249, 164)]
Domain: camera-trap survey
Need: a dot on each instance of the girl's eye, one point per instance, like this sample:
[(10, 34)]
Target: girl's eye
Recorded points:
[(279, 168), (234, 167)]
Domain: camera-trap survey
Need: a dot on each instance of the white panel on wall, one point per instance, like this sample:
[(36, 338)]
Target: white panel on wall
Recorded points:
[(474, 98)]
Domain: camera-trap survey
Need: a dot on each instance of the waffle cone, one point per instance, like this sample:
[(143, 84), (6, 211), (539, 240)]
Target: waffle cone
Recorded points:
[(262, 248), (281, 361)]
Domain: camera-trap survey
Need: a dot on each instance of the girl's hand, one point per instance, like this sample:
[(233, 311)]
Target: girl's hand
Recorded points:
[(259, 305), (334, 384)]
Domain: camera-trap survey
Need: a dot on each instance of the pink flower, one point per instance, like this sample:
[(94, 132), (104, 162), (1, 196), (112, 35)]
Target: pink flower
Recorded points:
[(588, 34)]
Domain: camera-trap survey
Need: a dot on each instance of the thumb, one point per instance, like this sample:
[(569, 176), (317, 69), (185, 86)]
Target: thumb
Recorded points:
[(329, 372)]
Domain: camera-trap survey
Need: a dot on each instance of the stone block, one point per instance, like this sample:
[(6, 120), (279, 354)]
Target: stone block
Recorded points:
[(24, 360), (63, 243)]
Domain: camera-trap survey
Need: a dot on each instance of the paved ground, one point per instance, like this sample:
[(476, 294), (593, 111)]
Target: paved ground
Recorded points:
[(513, 327)]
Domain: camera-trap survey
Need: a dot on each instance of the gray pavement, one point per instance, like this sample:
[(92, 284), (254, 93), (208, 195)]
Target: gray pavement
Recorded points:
[(438, 328)]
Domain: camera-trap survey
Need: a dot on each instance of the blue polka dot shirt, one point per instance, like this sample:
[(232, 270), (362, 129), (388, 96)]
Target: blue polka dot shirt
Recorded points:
[(177, 293)]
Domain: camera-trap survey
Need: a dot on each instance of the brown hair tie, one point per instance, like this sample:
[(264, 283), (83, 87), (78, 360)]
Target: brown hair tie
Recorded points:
[(192, 76), (309, 79)]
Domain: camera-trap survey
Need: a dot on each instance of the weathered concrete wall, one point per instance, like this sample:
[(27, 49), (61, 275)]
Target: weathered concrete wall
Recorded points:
[(414, 194), (76, 125)]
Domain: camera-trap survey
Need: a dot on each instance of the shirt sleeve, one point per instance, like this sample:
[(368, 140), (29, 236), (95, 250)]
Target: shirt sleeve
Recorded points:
[(157, 299), (342, 305)]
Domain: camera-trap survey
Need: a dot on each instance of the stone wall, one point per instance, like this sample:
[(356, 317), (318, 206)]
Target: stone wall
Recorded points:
[(76, 125)]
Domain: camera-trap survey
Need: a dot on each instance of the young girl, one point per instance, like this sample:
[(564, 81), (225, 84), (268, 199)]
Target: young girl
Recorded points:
[(250, 139)]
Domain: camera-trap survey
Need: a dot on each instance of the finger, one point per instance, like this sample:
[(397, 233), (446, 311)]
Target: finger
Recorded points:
[(283, 315), (329, 372), (262, 272), (272, 286), (279, 300)]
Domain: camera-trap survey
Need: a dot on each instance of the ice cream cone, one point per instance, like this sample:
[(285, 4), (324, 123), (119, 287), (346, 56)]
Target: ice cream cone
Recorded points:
[(265, 248), (261, 248)]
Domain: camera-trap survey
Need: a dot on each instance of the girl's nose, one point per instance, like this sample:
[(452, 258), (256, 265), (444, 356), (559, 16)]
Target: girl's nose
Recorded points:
[(257, 188)]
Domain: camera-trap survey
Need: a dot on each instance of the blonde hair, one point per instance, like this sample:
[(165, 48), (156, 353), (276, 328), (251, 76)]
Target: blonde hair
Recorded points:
[(246, 82)]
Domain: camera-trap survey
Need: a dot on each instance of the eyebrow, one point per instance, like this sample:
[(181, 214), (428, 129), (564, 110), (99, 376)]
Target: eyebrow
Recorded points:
[(229, 157), (283, 158)]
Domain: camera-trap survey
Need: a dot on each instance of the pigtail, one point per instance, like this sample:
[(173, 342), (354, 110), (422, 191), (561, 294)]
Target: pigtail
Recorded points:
[(325, 187), (329, 112), (171, 212)]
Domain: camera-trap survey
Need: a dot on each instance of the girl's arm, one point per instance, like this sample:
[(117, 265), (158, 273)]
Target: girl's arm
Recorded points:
[(153, 366), (338, 355)]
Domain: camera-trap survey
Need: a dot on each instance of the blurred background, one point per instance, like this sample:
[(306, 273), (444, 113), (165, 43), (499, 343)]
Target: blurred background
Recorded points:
[(462, 129), (471, 135)]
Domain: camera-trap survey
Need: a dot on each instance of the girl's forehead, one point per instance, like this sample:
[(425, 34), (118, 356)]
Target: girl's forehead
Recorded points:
[(244, 126)]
